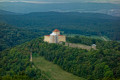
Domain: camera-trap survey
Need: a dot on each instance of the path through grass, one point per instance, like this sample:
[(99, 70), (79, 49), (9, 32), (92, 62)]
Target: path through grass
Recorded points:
[(53, 70)]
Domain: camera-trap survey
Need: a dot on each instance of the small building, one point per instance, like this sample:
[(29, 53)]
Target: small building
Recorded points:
[(55, 37), (94, 46)]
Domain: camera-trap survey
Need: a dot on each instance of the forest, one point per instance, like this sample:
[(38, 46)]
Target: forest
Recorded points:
[(15, 65), (89, 41), (22, 34), (69, 22), (103, 63), (11, 35)]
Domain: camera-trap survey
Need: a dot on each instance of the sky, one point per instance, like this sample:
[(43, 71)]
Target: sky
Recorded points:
[(62, 1)]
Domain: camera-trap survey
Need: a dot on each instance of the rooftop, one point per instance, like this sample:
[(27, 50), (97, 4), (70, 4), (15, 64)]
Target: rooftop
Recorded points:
[(56, 30), (93, 44)]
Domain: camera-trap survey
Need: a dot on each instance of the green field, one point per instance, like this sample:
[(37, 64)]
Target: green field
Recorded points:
[(53, 71)]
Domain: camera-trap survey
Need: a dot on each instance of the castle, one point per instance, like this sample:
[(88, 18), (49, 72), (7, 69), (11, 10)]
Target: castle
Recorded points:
[(55, 37)]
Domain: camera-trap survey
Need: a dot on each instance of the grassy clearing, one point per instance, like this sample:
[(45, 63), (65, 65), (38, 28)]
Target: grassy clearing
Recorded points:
[(53, 71)]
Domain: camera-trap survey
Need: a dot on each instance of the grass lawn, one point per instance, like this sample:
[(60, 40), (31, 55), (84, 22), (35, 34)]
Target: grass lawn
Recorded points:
[(53, 71)]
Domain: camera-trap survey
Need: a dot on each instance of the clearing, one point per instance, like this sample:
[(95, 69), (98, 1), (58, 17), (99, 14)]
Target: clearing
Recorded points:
[(53, 70)]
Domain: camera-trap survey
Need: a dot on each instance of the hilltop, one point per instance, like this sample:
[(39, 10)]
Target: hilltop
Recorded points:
[(94, 64)]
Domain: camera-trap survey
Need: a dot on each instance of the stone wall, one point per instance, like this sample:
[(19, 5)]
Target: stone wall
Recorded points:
[(58, 33), (46, 38), (62, 39), (78, 46)]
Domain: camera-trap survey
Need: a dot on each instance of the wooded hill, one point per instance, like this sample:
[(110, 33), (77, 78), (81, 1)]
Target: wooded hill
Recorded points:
[(103, 63), (11, 35), (69, 22)]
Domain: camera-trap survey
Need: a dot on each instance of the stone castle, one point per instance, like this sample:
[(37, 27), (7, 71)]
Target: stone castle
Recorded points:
[(55, 37)]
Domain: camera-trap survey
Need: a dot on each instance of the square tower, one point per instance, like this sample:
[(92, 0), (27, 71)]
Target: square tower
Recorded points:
[(55, 37)]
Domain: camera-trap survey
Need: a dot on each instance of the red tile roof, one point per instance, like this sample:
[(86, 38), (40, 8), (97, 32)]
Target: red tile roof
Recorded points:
[(56, 30)]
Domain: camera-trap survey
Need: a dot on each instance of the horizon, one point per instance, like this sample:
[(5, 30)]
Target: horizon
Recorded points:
[(63, 1), (25, 6)]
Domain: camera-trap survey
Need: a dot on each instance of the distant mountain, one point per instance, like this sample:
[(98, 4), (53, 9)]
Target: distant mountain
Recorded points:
[(3, 12), (69, 22), (21, 7)]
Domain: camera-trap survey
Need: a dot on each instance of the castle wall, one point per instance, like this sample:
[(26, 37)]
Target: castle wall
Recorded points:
[(61, 38), (58, 33), (46, 38), (94, 47), (53, 39)]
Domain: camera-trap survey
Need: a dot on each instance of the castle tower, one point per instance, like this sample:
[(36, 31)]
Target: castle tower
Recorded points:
[(55, 37), (56, 31), (94, 46)]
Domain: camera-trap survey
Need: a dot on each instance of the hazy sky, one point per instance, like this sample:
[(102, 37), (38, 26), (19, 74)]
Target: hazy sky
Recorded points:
[(58, 1)]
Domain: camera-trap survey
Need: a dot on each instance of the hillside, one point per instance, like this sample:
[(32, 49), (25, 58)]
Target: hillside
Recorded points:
[(15, 65), (84, 43), (7, 12), (52, 70), (94, 64), (4, 12), (11, 36), (68, 22)]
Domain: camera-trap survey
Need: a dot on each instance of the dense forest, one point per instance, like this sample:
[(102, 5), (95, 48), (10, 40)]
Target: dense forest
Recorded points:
[(100, 44), (16, 29), (11, 35), (15, 65), (103, 63), (69, 22)]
